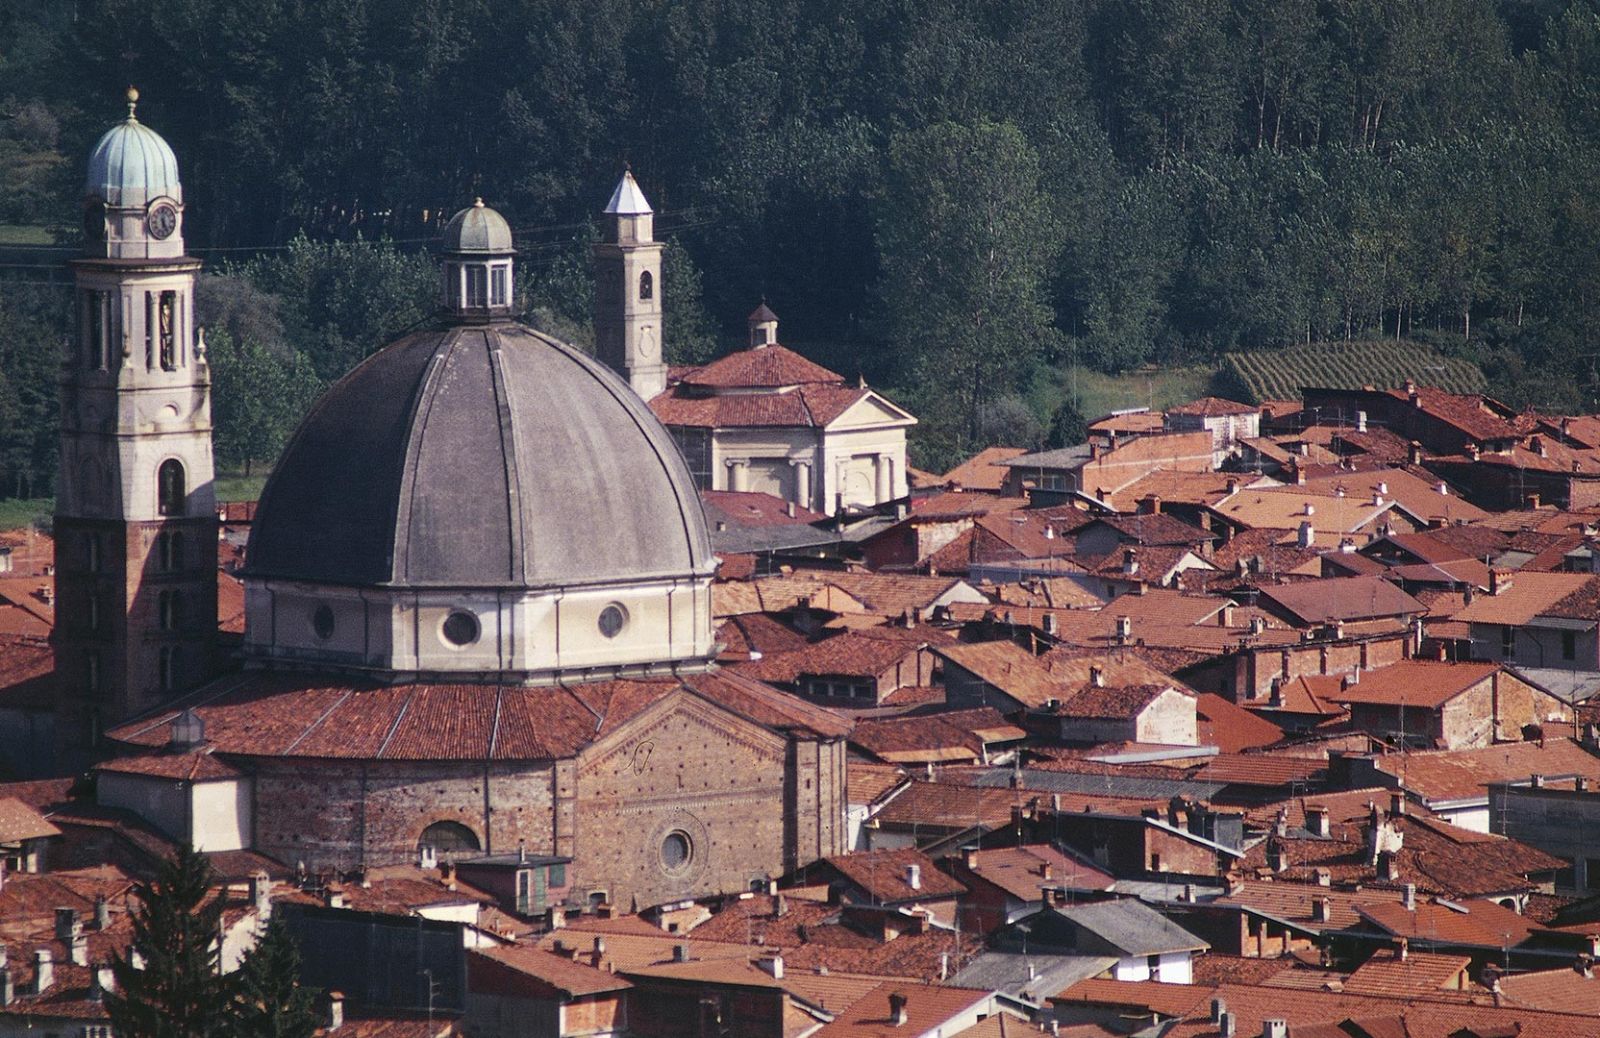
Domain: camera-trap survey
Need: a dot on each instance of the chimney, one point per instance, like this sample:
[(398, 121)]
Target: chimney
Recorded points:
[(1124, 630), (1310, 509), (1361, 421), (1226, 1026), (772, 965), (44, 971), (1219, 1009), (556, 917), (1322, 910), (261, 893), (1388, 868), (1151, 504), (335, 899), (79, 950), (680, 953), (1308, 535), (599, 946), (1051, 624), (101, 980), (335, 1010), (944, 965), (102, 912), (914, 877), (1323, 876), (780, 906), (1275, 1027), (897, 1009), (1397, 804), (1258, 625), (447, 875), (1130, 561), (1473, 451), (1232, 485), (1410, 897), (1536, 781), (8, 988), (1317, 820), (1097, 677), (1277, 858)]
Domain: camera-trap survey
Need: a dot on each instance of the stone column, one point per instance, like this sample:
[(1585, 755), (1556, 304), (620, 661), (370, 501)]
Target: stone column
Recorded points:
[(738, 475), (802, 483), (884, 469)]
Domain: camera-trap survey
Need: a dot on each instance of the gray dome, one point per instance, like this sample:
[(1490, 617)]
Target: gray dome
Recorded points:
[(477, 229), (131, 165), (480, 456)]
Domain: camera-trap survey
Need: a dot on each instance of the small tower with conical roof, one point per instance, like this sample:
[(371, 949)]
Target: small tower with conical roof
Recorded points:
[(627, 298), (476, 254), (136, 521), (763, 326)]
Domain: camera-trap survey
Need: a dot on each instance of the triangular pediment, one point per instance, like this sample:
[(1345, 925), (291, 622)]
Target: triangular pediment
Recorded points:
[(871, 411), (632, 738)]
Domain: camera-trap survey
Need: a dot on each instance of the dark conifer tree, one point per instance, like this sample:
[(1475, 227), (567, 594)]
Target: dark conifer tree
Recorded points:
[(269, 1001), (180, 991)]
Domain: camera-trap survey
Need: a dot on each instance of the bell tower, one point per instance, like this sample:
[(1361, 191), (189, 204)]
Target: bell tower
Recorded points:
[(136, 521), (627, 297)]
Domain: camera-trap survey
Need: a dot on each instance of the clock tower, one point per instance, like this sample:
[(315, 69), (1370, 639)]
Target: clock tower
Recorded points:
[(135, 523), (627, 297)]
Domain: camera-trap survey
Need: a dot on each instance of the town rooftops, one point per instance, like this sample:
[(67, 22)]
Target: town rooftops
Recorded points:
[(898, 876), (983, 471), (1414, 683), (20, 822), (1212, 407), (1131, 927), (769, 367), (1515, 599), (1342, 599)]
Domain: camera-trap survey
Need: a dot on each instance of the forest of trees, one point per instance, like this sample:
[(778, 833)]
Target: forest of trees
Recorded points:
[(956, 199)]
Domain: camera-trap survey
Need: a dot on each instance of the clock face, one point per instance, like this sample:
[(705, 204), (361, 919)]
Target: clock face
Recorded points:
[(94, 220), (162, 220)]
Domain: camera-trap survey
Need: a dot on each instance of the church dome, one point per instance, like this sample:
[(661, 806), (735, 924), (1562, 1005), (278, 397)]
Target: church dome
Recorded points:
[(477, 229), (132, 164), (479, 456)]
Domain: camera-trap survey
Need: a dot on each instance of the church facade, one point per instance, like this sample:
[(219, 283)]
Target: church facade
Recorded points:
[(477, 589)]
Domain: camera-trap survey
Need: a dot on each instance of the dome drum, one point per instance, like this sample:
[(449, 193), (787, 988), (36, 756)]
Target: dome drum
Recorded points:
[(525, 636)]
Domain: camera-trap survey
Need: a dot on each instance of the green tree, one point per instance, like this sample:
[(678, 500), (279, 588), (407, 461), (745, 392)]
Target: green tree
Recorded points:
[(965, 235), (180, 991), (257, 399), (269, 1000)]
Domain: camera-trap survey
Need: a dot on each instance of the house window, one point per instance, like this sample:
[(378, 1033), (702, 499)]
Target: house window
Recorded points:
[(447, 838), (1508, 640), (171, 610), (647, 285), (558, 874), (167, 330), (497, 286), (170, 490), (1569, 645), (169, 551), (167, 669), (477, 286)]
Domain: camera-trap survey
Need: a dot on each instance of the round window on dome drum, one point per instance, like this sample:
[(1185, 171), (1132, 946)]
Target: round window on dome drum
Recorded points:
[(461, 628), (677, 851), (322, 621), (613, 618)]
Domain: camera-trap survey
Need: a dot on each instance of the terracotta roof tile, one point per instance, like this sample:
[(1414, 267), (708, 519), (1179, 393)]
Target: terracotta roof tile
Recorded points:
[(927, 1009), (1414, 683), (982, 471), (1212, 407), (1522, 597), (1343, 599), (1418, 973), (20, 822), (764, 367), (192, 767)]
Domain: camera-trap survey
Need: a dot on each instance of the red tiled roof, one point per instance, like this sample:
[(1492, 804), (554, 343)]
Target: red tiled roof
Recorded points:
[(1230, 727), (1342, 598), (1021, 871), (191, 767), (527, 971), (20, 822), (1417, 973), (927, 1009), (953, 735), (1445, 775), (1212, 407), (765, 367), (1414, 683), (982, 471), (747, 508), (861, 653)]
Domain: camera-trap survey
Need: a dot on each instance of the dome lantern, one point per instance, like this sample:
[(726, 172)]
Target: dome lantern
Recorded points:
[(476, 254), (133, 199)]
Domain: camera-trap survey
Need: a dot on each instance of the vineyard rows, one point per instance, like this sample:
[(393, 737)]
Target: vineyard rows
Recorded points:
[(1281, 374)]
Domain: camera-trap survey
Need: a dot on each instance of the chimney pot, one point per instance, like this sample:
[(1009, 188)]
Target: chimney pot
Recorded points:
[(44, 971), (1274, 1027), (335, 1010), (914, 877), (897, 1009)]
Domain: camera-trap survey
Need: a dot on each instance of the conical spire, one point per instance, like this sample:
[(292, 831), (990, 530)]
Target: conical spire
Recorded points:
[(627, 199)]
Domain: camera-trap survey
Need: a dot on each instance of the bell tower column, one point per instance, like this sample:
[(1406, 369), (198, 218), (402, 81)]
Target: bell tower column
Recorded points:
[(627, 298), (136, 522)]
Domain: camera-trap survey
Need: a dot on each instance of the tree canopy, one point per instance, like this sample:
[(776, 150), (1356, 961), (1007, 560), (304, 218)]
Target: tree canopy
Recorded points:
[(1218, 175)]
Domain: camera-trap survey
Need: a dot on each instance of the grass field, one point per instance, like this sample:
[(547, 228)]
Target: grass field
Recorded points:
[(1101, 393), (16, 513)]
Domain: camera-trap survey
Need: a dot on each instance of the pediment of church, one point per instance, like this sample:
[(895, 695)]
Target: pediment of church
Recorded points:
[(871, 411), (678, 729)]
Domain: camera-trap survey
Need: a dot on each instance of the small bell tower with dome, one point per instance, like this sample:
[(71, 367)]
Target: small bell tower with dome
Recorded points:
[(627, 296), (135, 521), (476, 254)]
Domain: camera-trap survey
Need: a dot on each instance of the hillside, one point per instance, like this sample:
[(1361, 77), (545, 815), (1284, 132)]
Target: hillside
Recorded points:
[(1280, 374)]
